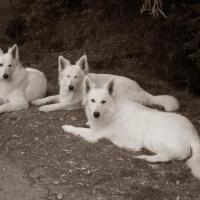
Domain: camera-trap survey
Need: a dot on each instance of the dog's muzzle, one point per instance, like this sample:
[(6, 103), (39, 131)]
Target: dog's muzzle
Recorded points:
[(5, 76), (96, 114), (71, 87)]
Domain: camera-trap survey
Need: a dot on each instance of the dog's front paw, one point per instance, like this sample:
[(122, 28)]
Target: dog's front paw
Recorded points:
[(142, 157), (69, 128), (36, 102), (45, 108)]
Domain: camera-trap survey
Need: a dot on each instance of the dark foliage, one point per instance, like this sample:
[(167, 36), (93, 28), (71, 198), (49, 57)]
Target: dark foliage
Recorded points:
[(115, 28)]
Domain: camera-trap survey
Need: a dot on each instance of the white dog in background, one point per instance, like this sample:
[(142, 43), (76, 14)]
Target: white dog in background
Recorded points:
[(18, 85), (134, 126), (71, 81)]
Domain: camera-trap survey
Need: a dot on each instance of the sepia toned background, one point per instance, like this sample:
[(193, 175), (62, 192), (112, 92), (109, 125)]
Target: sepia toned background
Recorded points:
[(161, 51)]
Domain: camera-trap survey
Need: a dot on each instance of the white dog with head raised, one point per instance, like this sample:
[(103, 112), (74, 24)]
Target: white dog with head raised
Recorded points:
[(134, 126), (71, 83), (18, 85)]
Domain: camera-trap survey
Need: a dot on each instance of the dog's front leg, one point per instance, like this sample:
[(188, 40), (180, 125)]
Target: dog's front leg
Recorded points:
[(53, 107), (85, 133), (46, 100), (12, 106)]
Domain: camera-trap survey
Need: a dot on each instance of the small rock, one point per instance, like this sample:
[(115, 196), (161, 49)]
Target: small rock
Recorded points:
[(4, 169), (15, 136), (62, 175), (36, 138), (56, 182), (38, 173), (177, 182), (13, 117), (60, 196), (73, 118), (66, 150)]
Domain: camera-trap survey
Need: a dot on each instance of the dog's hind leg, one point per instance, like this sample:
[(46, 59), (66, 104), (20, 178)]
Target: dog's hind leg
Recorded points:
[(155, 158), (50, 99), (85, 133), (12, 106)]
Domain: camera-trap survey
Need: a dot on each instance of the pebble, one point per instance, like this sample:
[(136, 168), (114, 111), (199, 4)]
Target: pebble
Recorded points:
[(177, 182), (56, 182), (60, 196)]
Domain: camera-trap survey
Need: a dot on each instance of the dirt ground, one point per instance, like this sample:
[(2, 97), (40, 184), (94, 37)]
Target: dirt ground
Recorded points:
[(38, 161)]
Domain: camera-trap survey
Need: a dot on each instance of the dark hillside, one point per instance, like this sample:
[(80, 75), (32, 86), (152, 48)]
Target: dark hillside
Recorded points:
[(114, 31)]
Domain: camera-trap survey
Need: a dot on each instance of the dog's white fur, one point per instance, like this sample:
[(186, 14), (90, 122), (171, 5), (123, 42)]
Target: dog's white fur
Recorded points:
[(134, 126), (73, 75), (18, 85)]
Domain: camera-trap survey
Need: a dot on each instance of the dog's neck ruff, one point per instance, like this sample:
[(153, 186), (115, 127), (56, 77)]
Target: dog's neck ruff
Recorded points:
[(74, 96), (70, 97), (17, 80)]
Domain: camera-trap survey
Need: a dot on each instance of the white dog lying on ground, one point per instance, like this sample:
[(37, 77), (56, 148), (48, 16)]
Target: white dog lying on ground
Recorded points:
[(134, 126), (18, 85), (71, 81)]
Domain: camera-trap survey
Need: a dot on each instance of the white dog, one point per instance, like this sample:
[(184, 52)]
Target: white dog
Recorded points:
[(71, 81), (18, 86), (134, 126)]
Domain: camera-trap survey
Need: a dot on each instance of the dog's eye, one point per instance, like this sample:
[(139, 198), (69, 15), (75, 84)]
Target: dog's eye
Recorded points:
[(92, 100), (75, 77), (103, 102), (10, 65), (1, 65), (68, 76)]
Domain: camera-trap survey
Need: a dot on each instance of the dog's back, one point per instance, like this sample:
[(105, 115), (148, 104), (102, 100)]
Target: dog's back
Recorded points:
[(131, 90), (36, 86), (126, 87)]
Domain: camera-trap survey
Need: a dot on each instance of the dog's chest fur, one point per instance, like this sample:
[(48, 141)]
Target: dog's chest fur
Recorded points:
[(19, 80)]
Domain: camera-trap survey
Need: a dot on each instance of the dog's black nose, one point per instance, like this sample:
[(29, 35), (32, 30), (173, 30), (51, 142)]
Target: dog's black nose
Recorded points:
[(71, 87), (96, 114), (5, 76)]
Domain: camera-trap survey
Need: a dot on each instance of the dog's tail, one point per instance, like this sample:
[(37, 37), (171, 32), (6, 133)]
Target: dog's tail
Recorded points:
[(194, 161), (169, 103)]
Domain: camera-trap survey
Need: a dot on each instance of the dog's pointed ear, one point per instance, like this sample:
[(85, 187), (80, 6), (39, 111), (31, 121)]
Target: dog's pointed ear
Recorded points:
[(62, 63), (14, 51), (109, 86), (88, 84), (1, 52), (83, 63)]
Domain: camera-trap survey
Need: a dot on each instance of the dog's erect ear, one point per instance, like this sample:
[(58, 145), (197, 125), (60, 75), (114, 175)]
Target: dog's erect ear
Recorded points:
[(1, 52), (110, 86), (88, 84), (83, 63), (14, 51), (62, 63)]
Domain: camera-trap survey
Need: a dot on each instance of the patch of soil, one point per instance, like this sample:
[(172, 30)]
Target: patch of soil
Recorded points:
[(14, 184), (41, 161)]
